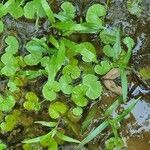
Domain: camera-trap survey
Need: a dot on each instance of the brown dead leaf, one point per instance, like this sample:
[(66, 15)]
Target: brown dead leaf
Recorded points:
[(112, 74)]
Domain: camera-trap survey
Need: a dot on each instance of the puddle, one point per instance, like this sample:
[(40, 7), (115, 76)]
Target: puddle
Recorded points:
[(136, 129)]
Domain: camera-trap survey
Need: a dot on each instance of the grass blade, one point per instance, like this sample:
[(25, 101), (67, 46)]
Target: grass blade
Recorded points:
[(66, 138), (89, 118), (94, 133), (127, 111), (124, 83), (113, 106), (48, 11)]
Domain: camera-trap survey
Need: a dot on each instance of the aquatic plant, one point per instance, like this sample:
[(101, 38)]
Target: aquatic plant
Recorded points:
[(60, 61)]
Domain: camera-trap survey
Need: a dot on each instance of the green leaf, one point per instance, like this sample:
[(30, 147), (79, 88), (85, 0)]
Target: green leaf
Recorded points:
[(32, 102), (103, 68), (134, 7), (94, 133), (105, 124), (33, 60), (49, 141), (16, 10), (93, 14), (3, 146), (109, 51), (72, 70), (124, 83), (113, 107), (7, 103), (129, 42), (10, 121), (30, 10), (65, 86), (114, 143), (66, 138), (34, 140), (49, 90), (47, 124), (57, 109), (78, 95), (117, 45), (68, 12), (108, 36), (77, 111), (94, 87), (13, 45), (1, 26), (87, 51), (48, 11), (4, 9), (145, 73)]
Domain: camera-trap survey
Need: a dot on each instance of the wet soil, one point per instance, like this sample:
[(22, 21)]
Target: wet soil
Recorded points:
[(136, 129)]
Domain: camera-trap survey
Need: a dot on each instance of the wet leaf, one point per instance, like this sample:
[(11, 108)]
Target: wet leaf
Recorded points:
[(124, 83), (30, 10), (78, 95), (7, 103), (11, 121), (65, 85), (68, 12), (94, 86), (93, 14), (1, 26), (145, 73), (47, 124), (57, 109), (48, 11), (109, 51), (103, 68), (108, 36), (77, 111), (32, 102), (49, 90), (134, 7), (66, 138), (72, 70)]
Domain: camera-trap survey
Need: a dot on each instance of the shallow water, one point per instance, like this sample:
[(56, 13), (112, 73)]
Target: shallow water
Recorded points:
[(136, 129)]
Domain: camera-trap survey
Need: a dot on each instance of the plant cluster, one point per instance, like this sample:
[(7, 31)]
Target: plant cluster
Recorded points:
[(69, 68)]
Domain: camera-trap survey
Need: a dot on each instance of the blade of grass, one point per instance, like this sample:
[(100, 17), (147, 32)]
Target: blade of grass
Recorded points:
[(113, 106), (117, 45), (66, 138), (127, 111), (105, 124), (124, 83), (48, 11), (89, 118), (94, 133), (5, 8)]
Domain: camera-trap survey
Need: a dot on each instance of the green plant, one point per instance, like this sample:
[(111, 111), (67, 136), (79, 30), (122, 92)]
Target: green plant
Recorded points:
[(71, 70)]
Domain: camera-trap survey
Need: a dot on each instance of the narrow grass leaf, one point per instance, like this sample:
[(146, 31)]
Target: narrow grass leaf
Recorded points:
[(124, 83), (127, 111), (113, 106), (47, 124), (48, 11), (66, 138), (89, 118), (94, 133)]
